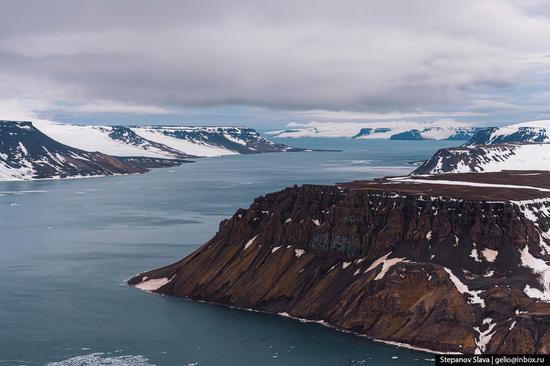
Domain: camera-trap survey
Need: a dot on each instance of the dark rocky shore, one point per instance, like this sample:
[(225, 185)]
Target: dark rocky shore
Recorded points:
[(435, 266)]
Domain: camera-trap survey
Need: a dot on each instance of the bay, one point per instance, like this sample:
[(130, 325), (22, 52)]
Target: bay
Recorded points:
[(67, 247)]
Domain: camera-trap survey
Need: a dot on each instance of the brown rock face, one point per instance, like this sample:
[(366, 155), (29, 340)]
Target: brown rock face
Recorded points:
[(438, 273)]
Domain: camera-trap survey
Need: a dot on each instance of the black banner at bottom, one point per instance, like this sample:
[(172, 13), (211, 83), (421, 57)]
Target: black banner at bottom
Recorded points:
[(516, 360)]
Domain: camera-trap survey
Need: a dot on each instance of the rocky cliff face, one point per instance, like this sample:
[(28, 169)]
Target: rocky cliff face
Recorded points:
[(441, 273)]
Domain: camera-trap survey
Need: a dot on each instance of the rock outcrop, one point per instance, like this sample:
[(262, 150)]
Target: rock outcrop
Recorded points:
[(441, 271)]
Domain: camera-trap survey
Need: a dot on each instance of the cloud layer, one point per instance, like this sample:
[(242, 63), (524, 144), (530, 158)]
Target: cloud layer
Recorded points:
[(367, 56)]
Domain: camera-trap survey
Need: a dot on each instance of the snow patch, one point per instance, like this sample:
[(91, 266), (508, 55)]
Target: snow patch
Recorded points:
[(250, 242), (540, 268), (299, 252), (463, 289), (485, 336), (489, 254), (386, 265), (153, 284), (474, 255)]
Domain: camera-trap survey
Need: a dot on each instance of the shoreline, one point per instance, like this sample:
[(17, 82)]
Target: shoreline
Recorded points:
[(303, 320)]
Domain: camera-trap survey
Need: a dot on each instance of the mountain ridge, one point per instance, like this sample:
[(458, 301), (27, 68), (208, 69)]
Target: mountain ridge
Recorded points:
[(27, 153), (110, 150)]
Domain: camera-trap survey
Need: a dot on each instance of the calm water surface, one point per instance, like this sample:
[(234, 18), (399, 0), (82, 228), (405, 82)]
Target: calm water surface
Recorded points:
[(67, 247)]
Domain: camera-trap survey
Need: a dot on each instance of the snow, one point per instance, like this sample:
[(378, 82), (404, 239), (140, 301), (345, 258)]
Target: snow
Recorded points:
[(489, 254), (345, 265), (484, 336), (249, 243), (96, 138), (351, 129), (535, 210), (465, 183), (489, 273), (316, 222), (299, 252), (23, 149), (274, 249), (540, 268), (474, 255), (429, 235), (153, 284), (386, 265), (93, 138), (463, 289), (233, 139), (189, 147)]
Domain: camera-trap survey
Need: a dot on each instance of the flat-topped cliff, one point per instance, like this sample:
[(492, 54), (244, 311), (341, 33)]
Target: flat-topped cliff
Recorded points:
[(427, 263)]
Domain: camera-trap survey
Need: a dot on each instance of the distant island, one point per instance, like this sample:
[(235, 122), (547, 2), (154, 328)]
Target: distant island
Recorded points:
[(46, 150), (389, 131)]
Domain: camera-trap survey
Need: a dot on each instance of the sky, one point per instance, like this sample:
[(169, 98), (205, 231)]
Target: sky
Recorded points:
[(265, 64)]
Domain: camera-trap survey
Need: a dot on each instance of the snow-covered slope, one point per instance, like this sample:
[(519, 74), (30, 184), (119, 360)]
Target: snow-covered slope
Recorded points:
[(27, 153), (522, 146), (161, 141), (392, 131), (111, 140), (45, 149), (533, 131), (488, 158), (211, 141), (176, 138)]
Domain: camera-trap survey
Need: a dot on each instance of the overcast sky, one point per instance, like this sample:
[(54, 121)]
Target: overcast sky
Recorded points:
[(267, 63)]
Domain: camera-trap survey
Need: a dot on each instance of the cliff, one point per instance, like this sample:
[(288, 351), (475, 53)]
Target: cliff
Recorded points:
[(431, 265)]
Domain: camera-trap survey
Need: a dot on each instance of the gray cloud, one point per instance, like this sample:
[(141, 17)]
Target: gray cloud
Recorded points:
[(290, 55)]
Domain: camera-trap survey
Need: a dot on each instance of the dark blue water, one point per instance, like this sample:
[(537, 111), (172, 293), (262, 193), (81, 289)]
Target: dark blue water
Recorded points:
[(67, 247)]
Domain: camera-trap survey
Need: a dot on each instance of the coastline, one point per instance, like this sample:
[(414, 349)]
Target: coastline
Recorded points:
[(303, 320)]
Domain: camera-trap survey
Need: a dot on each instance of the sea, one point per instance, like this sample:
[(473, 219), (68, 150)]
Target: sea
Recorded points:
[(68, 246)]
